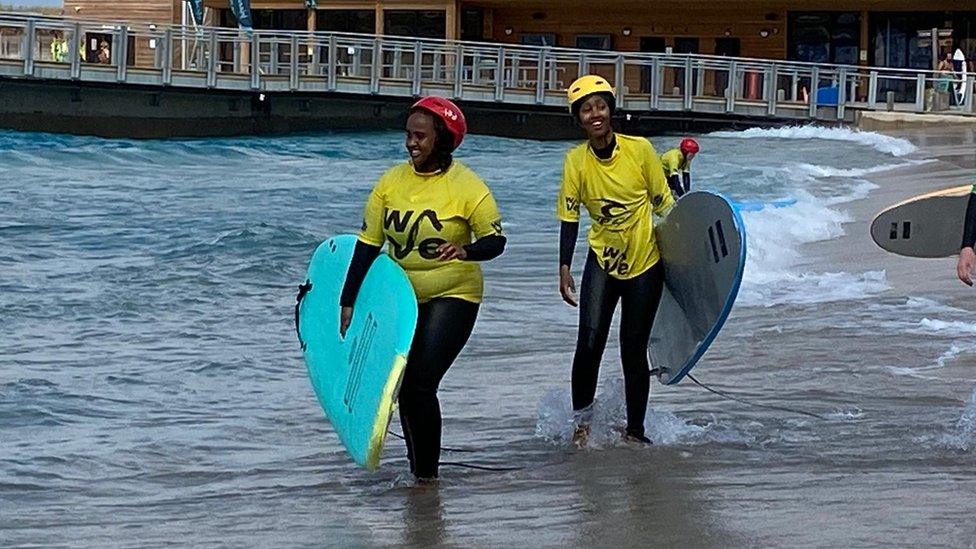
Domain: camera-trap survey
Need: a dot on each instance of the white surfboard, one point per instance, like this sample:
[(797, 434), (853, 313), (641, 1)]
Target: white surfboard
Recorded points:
[(928, 225), (963, 72), (703, 248)]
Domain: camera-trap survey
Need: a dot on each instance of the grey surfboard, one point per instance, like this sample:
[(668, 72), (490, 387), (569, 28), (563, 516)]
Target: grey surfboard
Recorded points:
[(928, 225), (703, 248)]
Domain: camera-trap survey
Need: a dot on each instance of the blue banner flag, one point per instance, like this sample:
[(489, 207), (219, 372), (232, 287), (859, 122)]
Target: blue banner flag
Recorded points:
[(196, 9), (242, 12)]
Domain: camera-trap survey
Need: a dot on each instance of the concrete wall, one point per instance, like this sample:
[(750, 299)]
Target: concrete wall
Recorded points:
[(137, 112)]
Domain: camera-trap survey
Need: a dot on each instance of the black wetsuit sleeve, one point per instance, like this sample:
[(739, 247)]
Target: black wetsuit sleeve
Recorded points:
[(969, 229), (674, 181), (568, 231), (687, 181), (485, 248), (362, 258)]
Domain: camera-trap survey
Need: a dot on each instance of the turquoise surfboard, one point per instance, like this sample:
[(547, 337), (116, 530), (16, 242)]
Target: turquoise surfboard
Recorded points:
[(703, 248), (356, 378)]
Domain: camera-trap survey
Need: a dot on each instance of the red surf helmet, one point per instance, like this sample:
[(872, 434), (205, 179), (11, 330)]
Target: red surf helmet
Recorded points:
[(448, 112), (688, 146)]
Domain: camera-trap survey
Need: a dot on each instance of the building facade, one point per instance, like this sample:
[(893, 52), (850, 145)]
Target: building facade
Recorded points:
[(884, 33)]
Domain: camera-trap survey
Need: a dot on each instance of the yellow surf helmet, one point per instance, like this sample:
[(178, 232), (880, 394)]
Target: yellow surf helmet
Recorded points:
[(586, 86)]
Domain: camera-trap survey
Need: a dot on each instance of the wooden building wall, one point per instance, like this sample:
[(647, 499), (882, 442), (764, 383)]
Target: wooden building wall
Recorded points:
[(450, 8), (745, 20), (760, 26), (707, 25)]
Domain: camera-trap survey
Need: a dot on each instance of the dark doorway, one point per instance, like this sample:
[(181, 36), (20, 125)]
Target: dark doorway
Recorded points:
[(725, 47), (359, 21), (416, 23), (130, 52), (473, 24), (649, 44), (684, 44), (728, 47)]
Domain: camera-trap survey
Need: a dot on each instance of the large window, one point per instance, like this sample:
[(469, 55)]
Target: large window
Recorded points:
[(359, 21), (824, 37), (418, 23), (593, 41), (895, 41), (270, 19), (280, 19), (538, 39)]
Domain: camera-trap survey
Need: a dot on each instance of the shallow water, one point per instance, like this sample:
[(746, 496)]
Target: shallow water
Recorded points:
[(152, 391)]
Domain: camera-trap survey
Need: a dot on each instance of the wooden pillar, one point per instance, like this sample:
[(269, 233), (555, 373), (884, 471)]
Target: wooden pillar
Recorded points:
[(862, 56), (312, 23), (379, 18), (245, 59), (865, 40), (451, 21)]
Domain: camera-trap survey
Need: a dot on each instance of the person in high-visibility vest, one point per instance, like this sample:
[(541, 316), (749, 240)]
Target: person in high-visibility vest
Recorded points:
[(677, 166), (59, 49)]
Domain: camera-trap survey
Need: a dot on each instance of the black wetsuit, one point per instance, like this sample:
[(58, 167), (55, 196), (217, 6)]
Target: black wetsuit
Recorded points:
[(969, 228), (680, 185), (443, 327)]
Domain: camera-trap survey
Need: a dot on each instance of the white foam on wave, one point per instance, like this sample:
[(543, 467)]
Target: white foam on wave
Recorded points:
[(907, 371), (848, 414), (829, 171), (926, 305), (882, 143), (556, 422), (775, 236), (962, 435), (957, 349), (946, 327)]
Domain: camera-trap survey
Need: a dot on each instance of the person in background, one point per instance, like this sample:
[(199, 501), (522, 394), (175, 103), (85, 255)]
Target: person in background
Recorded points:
[(943, 84), (677, 166), (59, 48), (104, 53)]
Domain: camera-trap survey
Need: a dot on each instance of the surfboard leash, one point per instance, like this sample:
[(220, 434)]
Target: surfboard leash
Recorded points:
[(461, 463), (480, 467), (302, 290), (724, 394), (443, 448)]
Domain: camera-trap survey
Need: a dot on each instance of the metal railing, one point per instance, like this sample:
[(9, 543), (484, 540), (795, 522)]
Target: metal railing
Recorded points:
[(173, 55)]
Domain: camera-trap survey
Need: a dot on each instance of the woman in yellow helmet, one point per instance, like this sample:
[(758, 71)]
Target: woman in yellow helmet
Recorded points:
[(620, 180)]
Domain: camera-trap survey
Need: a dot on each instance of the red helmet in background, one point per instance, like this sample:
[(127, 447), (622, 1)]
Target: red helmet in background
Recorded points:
[(688, 146), (448, 112)]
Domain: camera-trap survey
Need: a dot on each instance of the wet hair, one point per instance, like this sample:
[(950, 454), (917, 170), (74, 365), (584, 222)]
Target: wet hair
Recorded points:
[(578, 105), (442, 155)]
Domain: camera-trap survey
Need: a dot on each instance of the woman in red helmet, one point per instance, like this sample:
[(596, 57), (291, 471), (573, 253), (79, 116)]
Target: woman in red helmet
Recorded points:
[(428, 209), (677, 166)]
